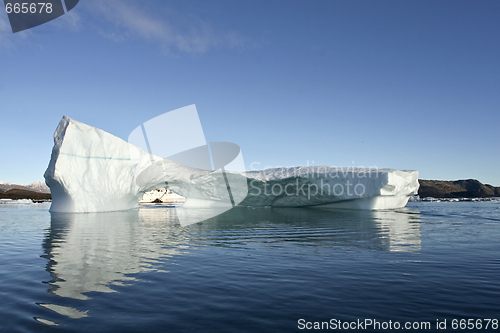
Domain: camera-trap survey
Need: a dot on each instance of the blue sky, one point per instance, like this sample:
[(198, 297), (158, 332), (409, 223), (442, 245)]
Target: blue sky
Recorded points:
[(398, 84)]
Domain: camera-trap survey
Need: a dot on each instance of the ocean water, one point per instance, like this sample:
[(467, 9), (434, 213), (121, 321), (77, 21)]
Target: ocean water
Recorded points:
[(249, 270)]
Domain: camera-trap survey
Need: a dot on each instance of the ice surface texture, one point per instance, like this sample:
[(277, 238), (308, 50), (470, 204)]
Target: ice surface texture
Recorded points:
[(93, 171)]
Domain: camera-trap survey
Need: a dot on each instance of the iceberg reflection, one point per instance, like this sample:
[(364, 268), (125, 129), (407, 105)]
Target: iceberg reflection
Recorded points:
[(94, 252), (392, 230), (402, 229)]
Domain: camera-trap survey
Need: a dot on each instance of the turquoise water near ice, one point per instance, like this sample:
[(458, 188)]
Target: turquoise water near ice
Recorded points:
[(247, 270)]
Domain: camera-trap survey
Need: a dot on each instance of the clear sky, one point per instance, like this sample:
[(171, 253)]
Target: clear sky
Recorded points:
[(398, 84)]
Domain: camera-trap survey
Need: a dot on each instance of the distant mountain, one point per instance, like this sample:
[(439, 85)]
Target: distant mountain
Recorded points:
[(467, 188), (34, 187), (38, 187)]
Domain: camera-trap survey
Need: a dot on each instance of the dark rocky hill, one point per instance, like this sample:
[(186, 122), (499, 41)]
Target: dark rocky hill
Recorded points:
[(468, 188), (16, 194)]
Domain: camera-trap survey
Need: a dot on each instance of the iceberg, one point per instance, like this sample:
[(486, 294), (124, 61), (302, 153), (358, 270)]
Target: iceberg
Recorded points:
[(91, 170), (331, 187), (94, 171)]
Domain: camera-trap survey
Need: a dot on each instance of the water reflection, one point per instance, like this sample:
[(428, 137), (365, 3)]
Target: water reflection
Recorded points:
[(396, 231), (94, 252), (402, 229)]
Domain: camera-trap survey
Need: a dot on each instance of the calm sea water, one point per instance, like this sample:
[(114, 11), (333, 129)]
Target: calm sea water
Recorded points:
[(248, 270)]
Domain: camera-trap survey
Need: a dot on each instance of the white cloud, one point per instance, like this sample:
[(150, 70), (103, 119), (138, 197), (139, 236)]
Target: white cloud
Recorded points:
[(125, 20), (190, 35)]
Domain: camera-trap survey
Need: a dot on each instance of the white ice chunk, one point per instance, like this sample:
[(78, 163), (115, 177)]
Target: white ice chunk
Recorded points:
[(93, 171)]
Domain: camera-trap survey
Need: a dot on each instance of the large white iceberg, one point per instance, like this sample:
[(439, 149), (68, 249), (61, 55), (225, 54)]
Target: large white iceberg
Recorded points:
[(93, 171)]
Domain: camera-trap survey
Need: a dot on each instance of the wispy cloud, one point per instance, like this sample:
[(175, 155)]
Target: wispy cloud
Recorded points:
[(131, 19), (128, 20)]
